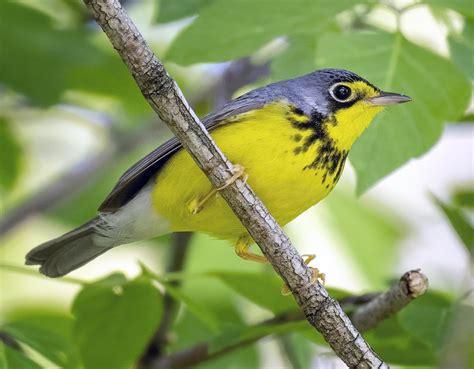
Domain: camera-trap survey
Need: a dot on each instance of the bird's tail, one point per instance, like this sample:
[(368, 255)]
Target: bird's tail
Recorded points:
[(64, 254)]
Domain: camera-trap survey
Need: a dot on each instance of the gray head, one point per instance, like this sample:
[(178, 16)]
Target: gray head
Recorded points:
[(329, 90)]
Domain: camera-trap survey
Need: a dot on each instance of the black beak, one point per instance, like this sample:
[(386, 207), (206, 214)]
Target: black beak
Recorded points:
[(389, 98)]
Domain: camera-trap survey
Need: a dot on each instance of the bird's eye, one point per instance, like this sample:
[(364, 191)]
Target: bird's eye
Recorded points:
[(341, 93)]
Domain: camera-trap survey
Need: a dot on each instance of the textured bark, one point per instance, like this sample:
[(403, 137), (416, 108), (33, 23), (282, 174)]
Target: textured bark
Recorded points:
[(412, 284), (370, 310), (162, 93)]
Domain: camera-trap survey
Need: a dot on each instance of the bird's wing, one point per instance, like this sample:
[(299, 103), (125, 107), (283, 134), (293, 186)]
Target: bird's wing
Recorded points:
[(133, 180)]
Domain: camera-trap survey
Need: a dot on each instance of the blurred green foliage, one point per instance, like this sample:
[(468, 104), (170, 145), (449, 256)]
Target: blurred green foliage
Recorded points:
[(49, 59), (456, 214), (102, 308), (10, 148)]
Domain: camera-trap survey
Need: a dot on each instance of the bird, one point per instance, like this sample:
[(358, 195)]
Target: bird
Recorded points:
[(289, 140)]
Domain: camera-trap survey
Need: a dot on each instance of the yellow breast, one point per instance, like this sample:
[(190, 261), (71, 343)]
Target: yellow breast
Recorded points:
[(287, 168)]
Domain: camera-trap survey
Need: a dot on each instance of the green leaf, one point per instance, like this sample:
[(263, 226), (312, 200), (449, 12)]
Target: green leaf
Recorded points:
[(426, 318), (460, 223), (115, 320), (227, 30), (394, 64), (264, 289), (298, 59), (462, 48), (13, 359), (38, 324), (194, 306), (35, 55), (190, 331), (463, 7), (107, 75), (11, 154), (464, 198), (298, 350), (170, 10), (47, 343), (392, 342), (369, 233), (458, 343)]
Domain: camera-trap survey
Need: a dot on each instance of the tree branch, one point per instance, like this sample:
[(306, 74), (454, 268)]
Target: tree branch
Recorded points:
[(162, 93), (237, 74), (179, 248), (411, 285), (371, 309)]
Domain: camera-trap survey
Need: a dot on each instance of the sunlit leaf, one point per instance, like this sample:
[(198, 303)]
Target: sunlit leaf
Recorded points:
[(440, 93), (10, 154), (170, 10), (233, 29), (115, 320)]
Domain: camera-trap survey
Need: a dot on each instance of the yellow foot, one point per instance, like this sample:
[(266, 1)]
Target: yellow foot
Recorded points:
[(237, 172), (196, 205), (316, 275), (242, 249)]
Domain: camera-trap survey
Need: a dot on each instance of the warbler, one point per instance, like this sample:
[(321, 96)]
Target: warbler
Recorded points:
[(290, 140)]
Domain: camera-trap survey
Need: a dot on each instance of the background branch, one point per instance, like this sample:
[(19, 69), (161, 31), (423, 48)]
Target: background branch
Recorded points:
[(411, 285), (68, 184), (162, 93), (370, 310), (179, 249)]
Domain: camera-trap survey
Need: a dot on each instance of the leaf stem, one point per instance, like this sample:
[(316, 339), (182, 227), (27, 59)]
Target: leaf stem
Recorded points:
[(33, 273)]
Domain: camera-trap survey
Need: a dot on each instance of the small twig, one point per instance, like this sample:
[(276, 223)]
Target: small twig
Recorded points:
[(179, 248), (411, 285), (165, 97), (201, 352)]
